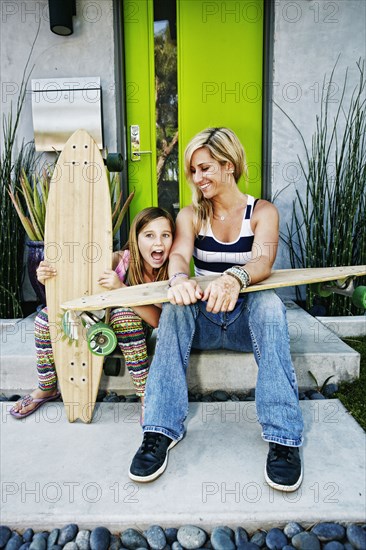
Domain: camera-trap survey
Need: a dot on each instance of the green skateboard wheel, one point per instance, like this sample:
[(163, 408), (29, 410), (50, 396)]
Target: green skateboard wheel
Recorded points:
[(112, 366), (359, 297), (318, 288), (101, 339), (114, 162)]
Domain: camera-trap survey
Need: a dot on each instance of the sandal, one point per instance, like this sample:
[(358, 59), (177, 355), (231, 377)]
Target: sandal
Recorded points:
[(27, 400)]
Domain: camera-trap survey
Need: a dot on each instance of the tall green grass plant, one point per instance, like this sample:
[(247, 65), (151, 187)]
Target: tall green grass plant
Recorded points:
[(328, 224), (11, 230)]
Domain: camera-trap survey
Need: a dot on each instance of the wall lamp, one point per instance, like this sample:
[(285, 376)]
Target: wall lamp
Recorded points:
[(61, 12)]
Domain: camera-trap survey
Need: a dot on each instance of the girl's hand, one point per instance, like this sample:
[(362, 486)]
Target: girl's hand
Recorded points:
[(222, 294), (185, 292), (110, 280), (44, 272)]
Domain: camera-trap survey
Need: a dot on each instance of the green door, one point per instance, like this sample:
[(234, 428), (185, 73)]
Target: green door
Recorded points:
[(214, 80)]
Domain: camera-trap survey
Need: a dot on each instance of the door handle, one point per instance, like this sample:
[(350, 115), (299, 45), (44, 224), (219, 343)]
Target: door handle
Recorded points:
[(135, 143)]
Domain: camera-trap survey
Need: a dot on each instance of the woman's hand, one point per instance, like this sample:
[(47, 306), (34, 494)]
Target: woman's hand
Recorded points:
[(44, 272), (222, 294), (185, 292), (110, 280)]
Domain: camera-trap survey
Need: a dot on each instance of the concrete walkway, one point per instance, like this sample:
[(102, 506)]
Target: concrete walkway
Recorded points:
[(54, 473)]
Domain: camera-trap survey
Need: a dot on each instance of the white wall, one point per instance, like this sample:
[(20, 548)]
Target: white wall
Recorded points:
[(89, 51), (308, 38)]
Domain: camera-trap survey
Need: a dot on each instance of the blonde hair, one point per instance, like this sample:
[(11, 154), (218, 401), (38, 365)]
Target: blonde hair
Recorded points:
[(136, 266), (223, 146)]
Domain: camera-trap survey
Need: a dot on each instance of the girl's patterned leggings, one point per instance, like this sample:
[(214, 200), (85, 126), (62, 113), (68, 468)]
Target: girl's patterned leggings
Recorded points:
[(131, 331)]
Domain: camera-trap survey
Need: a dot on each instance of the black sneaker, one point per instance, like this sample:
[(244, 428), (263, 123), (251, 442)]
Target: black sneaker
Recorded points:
[(151, 459), (283, 469)]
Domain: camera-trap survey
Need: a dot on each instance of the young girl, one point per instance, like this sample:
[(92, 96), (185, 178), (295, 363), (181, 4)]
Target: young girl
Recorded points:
[(143, 260)]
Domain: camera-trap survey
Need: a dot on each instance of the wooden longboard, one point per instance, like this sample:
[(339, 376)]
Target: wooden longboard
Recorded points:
[(155, 293), (78, 243)]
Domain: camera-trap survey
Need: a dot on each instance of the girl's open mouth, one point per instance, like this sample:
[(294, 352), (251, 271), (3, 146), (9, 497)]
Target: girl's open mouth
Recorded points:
[(157, 255)]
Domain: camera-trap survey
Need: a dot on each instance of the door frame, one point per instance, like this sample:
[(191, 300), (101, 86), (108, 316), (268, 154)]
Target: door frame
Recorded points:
[(267, 98)]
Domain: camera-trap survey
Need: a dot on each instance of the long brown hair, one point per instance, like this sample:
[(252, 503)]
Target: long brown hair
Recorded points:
[(136, 266)]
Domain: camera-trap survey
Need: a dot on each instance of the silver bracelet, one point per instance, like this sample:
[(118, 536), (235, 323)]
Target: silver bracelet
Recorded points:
[(240, 274)]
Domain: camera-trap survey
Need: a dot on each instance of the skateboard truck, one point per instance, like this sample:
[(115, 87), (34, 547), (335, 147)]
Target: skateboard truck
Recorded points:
[(101, 339), (344, 287)]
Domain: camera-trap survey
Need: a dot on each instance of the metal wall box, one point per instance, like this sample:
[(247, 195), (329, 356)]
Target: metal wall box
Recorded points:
[(60, 106)]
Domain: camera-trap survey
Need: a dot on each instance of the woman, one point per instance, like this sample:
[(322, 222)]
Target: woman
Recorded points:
[(144, 260), (235, 237)]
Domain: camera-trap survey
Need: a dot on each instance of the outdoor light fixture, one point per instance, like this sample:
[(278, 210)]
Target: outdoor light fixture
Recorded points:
[(61, 12)]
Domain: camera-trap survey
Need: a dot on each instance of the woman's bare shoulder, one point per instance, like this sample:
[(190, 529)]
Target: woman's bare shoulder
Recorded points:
[(186, 213), (265, 208)]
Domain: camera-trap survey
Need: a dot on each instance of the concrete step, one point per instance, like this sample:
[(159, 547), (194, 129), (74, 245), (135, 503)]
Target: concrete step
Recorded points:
[(54, 473), (314, 348)]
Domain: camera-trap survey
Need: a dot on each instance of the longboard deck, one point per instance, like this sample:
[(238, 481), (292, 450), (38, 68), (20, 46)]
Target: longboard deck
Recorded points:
[(155, 293), (78, 243)]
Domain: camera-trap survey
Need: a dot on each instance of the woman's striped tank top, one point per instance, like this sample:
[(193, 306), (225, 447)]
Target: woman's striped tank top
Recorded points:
[(211, 256)]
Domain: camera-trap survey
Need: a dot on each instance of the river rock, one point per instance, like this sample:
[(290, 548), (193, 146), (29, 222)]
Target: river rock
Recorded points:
[(15, 542), (171, 535), (133, 540), (115, 543), (275, 539), (221, 539), (330, 389), (67, 534), (356, 536), (292, 528), (83, 539), (220, 395), (333, 545), (52, 538), (39, 542), (156, 537), (305, 541), (259, 538), (329, 531), (28, 535), (191, 537), (100, 538), (240, 536), (5, 534)]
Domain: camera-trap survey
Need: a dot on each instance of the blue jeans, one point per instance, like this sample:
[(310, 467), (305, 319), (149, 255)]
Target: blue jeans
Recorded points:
[(258, 324)]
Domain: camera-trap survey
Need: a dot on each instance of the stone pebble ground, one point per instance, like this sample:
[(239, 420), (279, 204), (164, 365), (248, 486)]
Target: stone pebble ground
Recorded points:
[(323, 536)]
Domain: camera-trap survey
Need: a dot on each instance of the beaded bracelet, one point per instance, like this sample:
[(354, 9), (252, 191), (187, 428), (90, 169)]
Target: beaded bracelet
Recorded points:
[(179, 274), (240, 274)]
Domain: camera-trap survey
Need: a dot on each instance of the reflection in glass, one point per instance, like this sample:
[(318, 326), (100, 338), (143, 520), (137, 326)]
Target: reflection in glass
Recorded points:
[(165, 51)]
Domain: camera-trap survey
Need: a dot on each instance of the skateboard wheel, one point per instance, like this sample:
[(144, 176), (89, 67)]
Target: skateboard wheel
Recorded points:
[(319, 289), (112, 366), (114, 162), (101, 339), (359, 297)]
